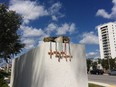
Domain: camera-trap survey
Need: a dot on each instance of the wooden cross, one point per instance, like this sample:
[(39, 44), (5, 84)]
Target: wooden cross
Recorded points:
[(50, 53), (58, 59), (66, 57), (62, 53), (65, 51)]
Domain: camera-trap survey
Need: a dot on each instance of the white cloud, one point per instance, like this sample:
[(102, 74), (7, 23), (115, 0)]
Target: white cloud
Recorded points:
[(93, 54), (40, 42), (25, 21), (54, 11), (72, 28), (55, 8), (29, 43), (29, 46), (29, 10), (54, 18), (89, 38), (38, 34), (66, 28), (104, 14), (32, 10), (32, 32), (61, 29), (51, 27), (31, 36)]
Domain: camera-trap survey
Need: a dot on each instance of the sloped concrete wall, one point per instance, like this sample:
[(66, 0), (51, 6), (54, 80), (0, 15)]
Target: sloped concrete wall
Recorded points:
[(36, 69)]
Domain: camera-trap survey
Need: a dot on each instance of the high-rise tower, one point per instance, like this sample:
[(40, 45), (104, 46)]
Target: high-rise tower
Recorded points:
[(107, 40)]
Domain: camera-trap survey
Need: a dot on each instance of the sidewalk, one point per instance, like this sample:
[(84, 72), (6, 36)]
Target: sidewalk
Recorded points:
[(102, 84)]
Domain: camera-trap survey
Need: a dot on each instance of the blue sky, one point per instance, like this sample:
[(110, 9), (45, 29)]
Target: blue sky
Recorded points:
[(77, 19)]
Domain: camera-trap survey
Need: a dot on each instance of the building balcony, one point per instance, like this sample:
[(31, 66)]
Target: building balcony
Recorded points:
[(105, 32), (105, 36)]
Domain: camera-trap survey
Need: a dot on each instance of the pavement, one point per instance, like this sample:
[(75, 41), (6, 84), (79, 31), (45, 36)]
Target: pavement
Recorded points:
[(104, 80), (101, 84)]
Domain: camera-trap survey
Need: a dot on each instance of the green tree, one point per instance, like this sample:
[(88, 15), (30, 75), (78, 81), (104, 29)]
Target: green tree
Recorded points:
[(115, 63), (94, 65), (106, 65), (10, 43), (99, 61), (2, 82), (89, 62)]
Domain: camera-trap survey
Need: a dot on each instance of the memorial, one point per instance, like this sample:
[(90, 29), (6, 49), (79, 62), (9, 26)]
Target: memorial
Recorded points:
[(55, 63)]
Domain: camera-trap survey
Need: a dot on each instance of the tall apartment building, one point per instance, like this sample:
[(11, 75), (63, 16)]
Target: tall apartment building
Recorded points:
[(107, 40)]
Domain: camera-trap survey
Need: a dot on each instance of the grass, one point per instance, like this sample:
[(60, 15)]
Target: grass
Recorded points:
[(93, 85)]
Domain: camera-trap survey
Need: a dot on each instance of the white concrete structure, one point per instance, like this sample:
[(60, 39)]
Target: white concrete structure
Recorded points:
[(36, 69), (107, 40)]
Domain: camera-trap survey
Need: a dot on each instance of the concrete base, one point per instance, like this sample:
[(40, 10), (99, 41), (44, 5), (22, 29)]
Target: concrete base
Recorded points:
[(36, 69)]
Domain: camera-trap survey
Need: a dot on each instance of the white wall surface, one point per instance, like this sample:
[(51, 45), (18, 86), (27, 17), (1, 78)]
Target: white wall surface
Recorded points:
[(36, 69)]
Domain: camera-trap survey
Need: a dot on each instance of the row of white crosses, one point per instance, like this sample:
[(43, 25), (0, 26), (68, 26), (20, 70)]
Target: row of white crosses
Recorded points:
[(59, 51)]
